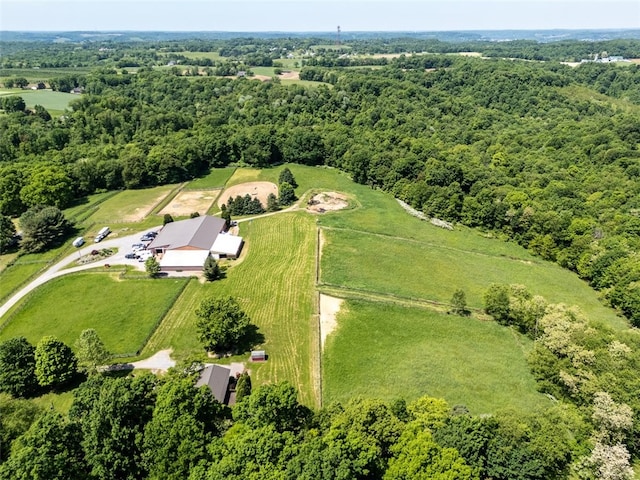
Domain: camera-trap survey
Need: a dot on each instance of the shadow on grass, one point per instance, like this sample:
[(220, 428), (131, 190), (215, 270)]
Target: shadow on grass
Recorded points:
[(250, 339)]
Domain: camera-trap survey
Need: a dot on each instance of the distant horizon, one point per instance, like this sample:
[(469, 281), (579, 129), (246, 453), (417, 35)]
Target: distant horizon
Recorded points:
[(620, 29), (316, 15)]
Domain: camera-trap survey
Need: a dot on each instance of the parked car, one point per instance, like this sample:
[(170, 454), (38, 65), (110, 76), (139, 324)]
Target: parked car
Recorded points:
[(78, 242), (138, 246), (131, 256)]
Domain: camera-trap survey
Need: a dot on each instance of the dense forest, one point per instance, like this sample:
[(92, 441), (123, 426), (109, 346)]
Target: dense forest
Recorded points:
[(534, 152)]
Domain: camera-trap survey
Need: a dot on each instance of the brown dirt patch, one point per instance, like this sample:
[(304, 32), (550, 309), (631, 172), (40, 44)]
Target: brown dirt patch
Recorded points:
[(289, 76), (262, 78), (185, 203), (261, 190), (329, 308), (327, 201)]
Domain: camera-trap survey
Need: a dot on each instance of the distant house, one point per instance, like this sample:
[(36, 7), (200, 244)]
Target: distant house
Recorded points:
[(186, 244), (77, 90), (217, 378)]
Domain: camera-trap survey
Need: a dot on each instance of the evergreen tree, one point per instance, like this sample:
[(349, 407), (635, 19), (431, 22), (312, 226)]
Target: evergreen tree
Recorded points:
[(287, 177), (287, 194), (272, 203), (211, 269), (243, 386), (152, 267)]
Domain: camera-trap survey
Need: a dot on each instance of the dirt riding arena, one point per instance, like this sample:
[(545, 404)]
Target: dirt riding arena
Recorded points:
[(327, 201), (185, 203), (261, 190)]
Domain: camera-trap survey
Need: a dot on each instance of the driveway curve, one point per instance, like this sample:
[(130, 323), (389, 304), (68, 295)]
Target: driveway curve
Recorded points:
[(123, 244)]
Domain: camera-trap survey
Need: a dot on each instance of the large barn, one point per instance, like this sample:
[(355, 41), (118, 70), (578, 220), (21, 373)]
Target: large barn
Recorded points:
[(185, 245)]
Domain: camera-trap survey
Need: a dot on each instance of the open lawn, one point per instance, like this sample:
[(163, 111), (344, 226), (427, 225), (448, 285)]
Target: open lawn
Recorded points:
[(123, 312), (274, 283), (389, 352), (52, 101), (131, 205), (217, 178), (433, 271)]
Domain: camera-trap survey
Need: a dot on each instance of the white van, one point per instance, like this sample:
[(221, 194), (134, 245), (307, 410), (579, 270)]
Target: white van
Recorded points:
[(78, 242), (104, 231)]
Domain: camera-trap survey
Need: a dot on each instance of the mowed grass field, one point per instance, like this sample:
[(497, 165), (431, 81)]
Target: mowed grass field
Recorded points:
[(217, 178), (123, 312), (388, 352), (130, 206), (433, 271), (274, 283)]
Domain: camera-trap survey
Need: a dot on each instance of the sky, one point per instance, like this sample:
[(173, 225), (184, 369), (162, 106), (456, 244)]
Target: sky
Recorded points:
[(316, 15)]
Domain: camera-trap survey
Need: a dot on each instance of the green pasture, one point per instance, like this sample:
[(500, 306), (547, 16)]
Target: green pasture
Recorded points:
[(274, 283), (388, 352), (214, 56), (130, 206), (27, 266), (86, 206), (217, 178), (268, 71), (34, 75), (53, 101), (123, 312), (433, 271)]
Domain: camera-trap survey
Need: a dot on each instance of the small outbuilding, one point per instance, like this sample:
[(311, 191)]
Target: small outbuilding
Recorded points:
[(258, 356)]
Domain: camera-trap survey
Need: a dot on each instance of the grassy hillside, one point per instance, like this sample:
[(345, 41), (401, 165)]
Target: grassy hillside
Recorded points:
[(386, 351), (373, 251)]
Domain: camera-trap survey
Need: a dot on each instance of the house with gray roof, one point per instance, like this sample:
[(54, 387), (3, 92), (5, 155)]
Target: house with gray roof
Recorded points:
[(186, 244), (216, 378)]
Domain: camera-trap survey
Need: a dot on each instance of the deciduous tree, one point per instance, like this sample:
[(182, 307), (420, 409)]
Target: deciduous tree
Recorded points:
[(7, 233), (91, 351), (18, 367), (49, 450), (55, 362), (222, 325)]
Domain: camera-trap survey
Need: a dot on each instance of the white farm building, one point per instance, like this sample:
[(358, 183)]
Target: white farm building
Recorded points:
[(185, 245)]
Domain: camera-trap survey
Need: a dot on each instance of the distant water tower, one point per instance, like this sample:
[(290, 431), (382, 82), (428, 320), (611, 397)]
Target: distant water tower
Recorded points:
[(338, 36)]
